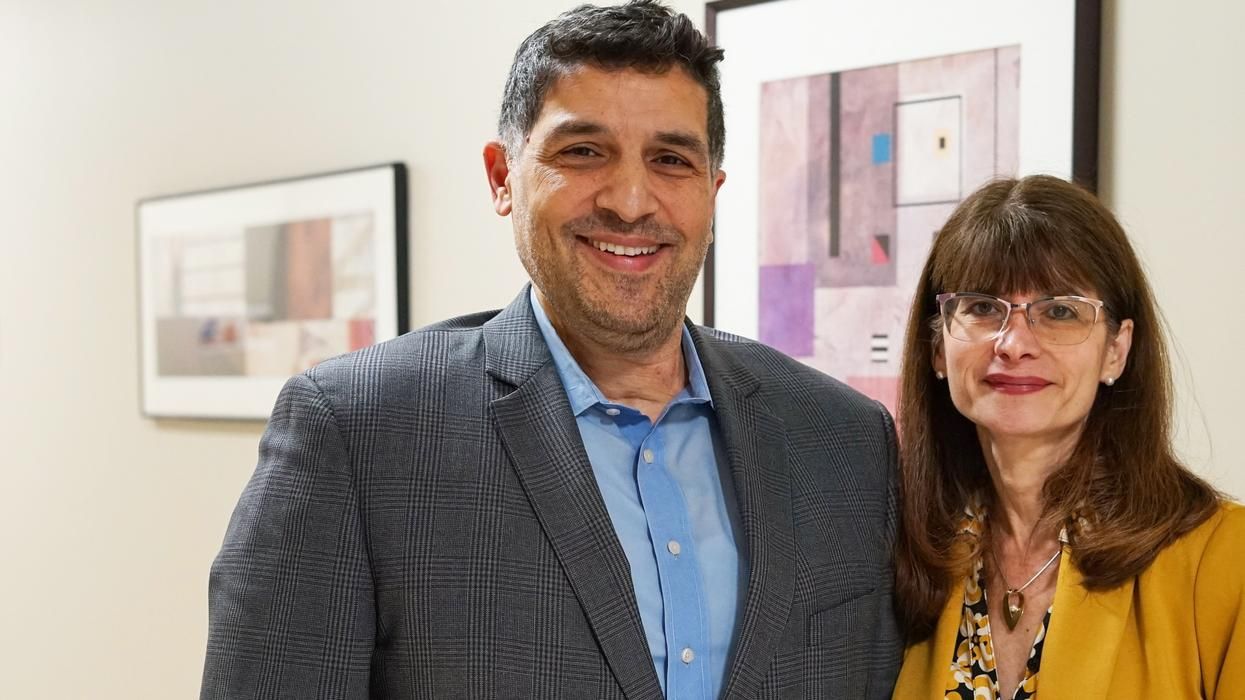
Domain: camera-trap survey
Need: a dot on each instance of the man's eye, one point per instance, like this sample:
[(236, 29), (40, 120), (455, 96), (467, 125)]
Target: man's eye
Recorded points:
[(671, 159), (580, 151)]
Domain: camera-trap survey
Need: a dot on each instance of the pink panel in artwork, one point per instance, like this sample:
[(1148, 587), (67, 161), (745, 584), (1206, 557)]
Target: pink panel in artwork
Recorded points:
[(309, 269), (362, 333), (794, 171), (786, 314), (884, 389)]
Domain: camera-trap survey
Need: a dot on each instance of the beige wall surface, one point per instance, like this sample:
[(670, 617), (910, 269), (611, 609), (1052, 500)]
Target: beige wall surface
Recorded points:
[(109, 521), (1171, 146)]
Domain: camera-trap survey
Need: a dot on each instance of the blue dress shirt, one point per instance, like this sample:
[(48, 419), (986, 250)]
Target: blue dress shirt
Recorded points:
[(669, 493)]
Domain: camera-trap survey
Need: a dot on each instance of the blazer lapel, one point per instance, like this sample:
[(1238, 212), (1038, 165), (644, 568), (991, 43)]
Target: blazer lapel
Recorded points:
[(927, 664), (755, 442), (544, 444), (1078, 659)]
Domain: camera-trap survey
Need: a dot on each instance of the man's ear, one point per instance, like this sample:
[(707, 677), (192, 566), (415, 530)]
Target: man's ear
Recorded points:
[(719, 177), (498, 171)]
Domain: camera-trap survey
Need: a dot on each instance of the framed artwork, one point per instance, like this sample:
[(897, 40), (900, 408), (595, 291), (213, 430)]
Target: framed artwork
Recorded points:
[(853, 131), (242, 287)]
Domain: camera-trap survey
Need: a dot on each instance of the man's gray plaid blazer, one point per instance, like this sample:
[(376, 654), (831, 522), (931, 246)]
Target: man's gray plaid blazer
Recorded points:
[(424, 523)]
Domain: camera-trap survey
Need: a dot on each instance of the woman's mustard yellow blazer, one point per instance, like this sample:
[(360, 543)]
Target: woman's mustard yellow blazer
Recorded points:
[(1175, 631)]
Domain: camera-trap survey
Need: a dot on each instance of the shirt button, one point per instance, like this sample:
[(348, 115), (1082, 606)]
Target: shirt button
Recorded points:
[(612, 411), (673, 546), (688, 655), (648, 456)]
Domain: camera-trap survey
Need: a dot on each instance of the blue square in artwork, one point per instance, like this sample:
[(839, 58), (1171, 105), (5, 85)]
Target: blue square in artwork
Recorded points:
[(881, 149)]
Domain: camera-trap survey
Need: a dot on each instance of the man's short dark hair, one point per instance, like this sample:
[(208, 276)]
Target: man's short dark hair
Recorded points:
[(642, 34)]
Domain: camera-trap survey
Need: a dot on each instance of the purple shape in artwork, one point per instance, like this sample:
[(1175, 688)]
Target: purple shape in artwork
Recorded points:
[(786, 309)]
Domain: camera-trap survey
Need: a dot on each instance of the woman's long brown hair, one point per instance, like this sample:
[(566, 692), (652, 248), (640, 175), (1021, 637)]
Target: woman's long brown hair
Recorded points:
[(1122, 489)]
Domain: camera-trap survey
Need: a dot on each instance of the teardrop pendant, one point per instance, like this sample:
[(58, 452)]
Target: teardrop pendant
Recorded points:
[(1013, 608)]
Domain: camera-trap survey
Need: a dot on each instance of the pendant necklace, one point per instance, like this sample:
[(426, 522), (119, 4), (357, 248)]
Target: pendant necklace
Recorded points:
[(1014, 599)]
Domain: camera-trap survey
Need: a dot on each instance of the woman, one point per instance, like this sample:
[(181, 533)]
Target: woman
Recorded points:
[(1053, 546)]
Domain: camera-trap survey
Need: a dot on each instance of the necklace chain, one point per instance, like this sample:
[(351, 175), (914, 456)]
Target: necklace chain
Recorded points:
[(1032, 578), (1013, 598)]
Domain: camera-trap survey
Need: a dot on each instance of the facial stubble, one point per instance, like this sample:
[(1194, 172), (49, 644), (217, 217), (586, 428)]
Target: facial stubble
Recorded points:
[(592, 304)]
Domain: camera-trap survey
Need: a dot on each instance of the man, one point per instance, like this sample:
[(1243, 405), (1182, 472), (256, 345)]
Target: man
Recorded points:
[(582, 495)]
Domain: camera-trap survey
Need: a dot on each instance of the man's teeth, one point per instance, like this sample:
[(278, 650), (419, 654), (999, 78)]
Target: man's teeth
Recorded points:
[(623, 249)]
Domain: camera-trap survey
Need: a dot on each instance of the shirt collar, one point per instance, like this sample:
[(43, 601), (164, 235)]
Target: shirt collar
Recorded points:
[(584, 394)]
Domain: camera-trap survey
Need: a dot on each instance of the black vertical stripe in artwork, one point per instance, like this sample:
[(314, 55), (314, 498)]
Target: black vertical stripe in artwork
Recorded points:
[(835, 153)]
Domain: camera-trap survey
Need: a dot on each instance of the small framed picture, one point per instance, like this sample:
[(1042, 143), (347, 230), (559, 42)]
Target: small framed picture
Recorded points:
[(853, 131), (242, 287)]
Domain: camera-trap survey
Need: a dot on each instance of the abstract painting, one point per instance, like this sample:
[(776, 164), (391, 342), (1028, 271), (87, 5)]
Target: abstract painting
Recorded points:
[(243, 287), (858, 170), (842, 165)]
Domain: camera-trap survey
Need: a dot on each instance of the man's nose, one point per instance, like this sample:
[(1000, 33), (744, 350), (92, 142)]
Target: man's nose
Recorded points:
[(628, 191)]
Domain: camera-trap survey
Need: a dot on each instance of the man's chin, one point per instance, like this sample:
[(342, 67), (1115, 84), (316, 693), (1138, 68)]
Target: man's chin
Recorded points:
[(633, 332)]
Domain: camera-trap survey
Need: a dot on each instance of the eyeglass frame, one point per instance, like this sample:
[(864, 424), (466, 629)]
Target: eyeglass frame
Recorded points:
[(1098, 304)]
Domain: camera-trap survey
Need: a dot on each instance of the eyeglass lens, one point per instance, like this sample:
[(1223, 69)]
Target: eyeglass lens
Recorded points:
[(1055, 321)]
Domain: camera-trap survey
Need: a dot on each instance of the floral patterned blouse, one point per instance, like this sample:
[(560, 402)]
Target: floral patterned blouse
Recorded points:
[(972, 674)]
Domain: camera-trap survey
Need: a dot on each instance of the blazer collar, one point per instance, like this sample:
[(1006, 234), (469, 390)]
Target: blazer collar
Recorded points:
[(542, 439), (927, 664), (514, 349), (722, 367), (1086, 628), (755, 441)]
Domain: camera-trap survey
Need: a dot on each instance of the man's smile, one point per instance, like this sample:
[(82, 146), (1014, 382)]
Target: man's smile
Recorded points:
[(623, 253), (617, 249)]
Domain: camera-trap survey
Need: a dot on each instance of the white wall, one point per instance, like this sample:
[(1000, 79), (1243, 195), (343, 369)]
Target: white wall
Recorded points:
[(108, 521), (1171, 153)]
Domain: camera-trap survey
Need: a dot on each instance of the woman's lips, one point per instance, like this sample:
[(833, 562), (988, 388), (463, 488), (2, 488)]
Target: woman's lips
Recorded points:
[(1012, 384)]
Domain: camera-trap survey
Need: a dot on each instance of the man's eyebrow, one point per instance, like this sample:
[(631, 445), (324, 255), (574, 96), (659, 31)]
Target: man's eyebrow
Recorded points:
[(683, 139), (575, 127)]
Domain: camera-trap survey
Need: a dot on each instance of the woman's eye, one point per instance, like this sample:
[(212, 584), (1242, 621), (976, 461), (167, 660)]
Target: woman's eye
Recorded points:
[(1061, 312), (982, 308)]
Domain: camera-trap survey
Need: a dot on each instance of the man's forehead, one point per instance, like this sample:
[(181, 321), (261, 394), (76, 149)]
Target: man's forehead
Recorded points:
[(589, 70), (586, 96)]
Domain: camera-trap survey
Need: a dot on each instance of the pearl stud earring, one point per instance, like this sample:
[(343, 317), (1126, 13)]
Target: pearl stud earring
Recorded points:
[(1110, 381), (940, 375)]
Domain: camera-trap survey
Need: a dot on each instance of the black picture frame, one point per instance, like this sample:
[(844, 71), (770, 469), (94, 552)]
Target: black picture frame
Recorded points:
[(241, 286)]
